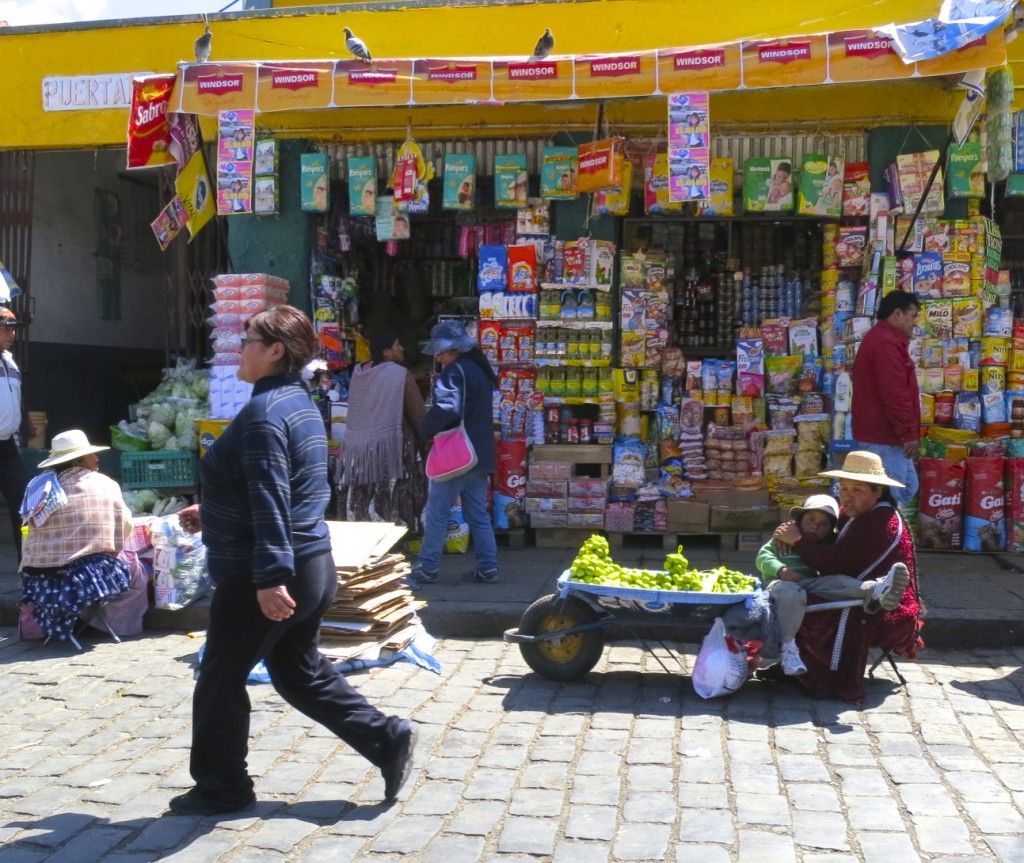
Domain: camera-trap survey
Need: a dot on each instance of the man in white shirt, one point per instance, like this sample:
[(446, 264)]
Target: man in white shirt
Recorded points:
[(13, 477)]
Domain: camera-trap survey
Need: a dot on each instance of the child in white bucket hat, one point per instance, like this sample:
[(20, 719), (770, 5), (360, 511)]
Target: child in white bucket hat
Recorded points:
[(788, 579)]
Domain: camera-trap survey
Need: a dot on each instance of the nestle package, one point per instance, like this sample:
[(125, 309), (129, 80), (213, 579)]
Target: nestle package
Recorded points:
[(856, 189), (940, 513), (803, 337), (775, 337), (984, 524), (928, 274), (967, 412)]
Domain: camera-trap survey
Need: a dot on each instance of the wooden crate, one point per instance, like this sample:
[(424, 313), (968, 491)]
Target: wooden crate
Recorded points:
[(573, 453)]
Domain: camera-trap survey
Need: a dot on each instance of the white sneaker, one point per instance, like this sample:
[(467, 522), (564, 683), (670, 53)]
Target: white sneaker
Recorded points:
[(792, 664), (889, 591)]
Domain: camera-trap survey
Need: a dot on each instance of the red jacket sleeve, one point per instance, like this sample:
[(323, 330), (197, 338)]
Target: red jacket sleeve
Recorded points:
[(863, 542)]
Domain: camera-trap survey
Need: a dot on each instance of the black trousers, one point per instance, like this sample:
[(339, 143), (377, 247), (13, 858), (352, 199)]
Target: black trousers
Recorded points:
[(239, 636), (13, 479)]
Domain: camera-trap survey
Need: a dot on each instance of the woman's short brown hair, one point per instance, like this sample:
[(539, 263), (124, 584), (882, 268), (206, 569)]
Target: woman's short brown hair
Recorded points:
[(290, 327)]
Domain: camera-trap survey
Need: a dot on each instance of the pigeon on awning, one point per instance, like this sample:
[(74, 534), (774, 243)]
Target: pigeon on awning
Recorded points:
[(357, 47), (544, 46), (203, 43)]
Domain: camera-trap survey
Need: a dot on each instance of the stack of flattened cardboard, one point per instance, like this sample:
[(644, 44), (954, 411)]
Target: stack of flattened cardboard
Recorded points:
[(373, 610)]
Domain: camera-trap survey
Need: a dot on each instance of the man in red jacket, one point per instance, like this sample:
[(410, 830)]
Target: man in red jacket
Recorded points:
[(886, 403)]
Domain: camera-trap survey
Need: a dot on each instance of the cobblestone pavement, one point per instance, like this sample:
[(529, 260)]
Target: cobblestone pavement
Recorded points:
[(628, 764)]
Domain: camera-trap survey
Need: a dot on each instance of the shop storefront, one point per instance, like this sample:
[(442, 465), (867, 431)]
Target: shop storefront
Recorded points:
[(666, 367)]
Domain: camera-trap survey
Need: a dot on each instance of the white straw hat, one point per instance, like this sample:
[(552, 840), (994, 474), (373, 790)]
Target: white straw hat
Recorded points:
[(865, 467), (69, 445)]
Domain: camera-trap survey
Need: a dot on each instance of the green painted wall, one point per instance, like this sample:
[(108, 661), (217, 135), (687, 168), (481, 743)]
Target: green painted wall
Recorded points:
[(281, 244), (888, 142)]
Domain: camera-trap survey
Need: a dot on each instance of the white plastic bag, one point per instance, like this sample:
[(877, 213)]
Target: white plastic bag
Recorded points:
[(721, 666)]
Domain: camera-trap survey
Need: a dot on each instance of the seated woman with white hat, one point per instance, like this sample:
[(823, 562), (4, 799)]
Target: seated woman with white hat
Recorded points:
[(77, 523), (873, 537)]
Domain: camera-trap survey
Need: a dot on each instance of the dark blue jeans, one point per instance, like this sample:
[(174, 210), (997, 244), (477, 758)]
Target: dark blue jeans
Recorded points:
[(237, 638)]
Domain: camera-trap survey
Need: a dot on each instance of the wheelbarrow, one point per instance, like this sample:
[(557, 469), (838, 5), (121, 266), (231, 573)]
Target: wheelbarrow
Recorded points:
[(560, 636)]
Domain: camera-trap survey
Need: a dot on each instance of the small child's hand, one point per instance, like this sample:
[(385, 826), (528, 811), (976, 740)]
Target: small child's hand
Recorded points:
[(786, 574)]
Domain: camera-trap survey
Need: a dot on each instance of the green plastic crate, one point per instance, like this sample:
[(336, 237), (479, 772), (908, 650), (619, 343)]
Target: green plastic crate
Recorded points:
[(162, 469)]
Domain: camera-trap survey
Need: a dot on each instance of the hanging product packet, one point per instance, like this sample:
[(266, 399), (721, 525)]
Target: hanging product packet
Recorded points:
[(149, 133), (362, 185), (459, 181), (511, 181), (559, 168)]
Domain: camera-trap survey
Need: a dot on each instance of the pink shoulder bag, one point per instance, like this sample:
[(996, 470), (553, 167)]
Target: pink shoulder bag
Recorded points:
[(452, 453)]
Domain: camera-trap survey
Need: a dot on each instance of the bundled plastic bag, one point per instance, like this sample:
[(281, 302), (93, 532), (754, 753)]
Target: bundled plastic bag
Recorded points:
[(721, 666)]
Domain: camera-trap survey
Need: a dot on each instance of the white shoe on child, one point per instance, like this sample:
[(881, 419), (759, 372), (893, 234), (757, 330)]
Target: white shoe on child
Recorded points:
[(889, 591), (792, 664)]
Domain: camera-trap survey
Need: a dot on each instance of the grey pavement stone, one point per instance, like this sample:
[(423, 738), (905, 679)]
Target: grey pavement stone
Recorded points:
[(434, 798), (637, 841), (758, 846), (826, 830), (703, 853), (762, 809), (407, 834), (574, 852), (164, 833), (1009, 849), (453, 849), (702, 796), (886, 847), (93, 843), (605, 791), (544, 775), (714, 825), (813, 797), (873, 813), (802, 768), (528, 836), (941, 835), (927, 800), (487, 784), (477, 819), (591, 822), (995, 817), (539, 802), (650, 806)]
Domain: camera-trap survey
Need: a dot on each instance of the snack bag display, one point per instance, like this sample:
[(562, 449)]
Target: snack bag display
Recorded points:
[(984, 525), (941, 504)]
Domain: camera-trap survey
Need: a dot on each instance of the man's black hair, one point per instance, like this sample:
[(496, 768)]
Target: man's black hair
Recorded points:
[(895, 301)]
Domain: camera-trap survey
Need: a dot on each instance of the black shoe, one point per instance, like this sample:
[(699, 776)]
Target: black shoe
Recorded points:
[(482, 576), (418, 577), (398, 764), (193, 803), (770, 674)]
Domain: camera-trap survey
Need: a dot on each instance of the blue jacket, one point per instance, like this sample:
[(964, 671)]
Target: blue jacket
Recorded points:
[(264, 485), (464, 376)]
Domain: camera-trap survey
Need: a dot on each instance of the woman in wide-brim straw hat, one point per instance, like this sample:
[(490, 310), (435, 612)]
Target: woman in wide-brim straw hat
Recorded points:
[(872, 538), (78, 522)]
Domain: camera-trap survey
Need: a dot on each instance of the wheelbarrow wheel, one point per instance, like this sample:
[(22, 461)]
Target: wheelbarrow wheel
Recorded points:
[(566, 658)]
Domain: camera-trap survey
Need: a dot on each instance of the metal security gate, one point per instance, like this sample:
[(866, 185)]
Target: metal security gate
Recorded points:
[(17, 176), (187, 286)]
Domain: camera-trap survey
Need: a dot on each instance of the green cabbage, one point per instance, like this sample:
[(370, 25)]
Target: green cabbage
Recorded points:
[(158, 434), (163, 413)]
